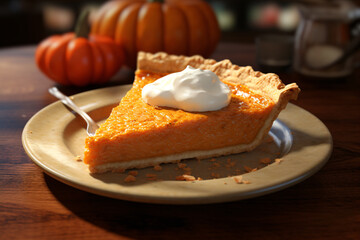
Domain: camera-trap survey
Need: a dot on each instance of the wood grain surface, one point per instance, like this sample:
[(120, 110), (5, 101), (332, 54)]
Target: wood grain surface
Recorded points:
[(36, 206)]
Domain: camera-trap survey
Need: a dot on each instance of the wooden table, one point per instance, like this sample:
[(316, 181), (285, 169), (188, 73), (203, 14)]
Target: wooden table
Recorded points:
[(35, 206)]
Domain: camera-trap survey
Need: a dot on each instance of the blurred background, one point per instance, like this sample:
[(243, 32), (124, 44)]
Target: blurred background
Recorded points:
[(315, 37), (28, 21)]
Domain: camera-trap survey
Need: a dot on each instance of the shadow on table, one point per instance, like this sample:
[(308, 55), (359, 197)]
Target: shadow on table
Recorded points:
[(246, 219)]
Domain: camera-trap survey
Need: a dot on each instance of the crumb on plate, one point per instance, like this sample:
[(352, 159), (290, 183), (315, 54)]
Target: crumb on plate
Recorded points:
[(130, 178), (133, 173), (249, 169), (157, 168), (229, 163), (151, 176), (215, 175), (265, 160), (240, 180), (278, 160), (185, 177), (181, 165), (215, 165)]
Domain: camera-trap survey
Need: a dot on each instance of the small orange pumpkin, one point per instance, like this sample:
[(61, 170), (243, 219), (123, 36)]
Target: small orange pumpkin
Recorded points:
[(78, 59), (185, 27)]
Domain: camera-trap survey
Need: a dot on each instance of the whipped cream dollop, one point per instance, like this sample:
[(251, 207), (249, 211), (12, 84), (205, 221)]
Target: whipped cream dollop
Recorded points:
[(192, 90)]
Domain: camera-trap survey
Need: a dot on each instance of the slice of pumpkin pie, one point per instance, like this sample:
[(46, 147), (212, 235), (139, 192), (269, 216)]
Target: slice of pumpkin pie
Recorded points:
[(143, 130)]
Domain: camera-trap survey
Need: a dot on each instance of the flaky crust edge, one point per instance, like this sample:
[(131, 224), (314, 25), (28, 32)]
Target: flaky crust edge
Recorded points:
[(266, 84)]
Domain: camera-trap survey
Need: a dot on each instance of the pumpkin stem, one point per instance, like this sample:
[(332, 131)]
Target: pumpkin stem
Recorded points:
[(153, 1), (82, 27)]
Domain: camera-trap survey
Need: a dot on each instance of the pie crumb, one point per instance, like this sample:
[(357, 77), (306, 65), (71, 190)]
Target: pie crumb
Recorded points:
[(157, 168), (278, 160), (78, 158), (151, 176), (249, 169), (133, 173), (185, 177), (229, 163), (215, 165), (215, 175), (265, 160), (181, 165), (130, 178), (239, 180)]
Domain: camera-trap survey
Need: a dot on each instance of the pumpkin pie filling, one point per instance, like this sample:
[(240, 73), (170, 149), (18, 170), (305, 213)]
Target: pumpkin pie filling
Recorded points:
[(137, 131)]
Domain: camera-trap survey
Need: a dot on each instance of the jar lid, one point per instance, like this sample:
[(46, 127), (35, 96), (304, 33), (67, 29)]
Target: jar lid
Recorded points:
[(329, 11)]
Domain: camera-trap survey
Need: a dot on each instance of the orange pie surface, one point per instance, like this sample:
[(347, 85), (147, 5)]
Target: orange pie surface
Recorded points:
[(138, 131)]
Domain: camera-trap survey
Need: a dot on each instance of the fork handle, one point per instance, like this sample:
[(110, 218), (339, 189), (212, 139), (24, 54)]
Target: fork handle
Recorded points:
[(68, 102)]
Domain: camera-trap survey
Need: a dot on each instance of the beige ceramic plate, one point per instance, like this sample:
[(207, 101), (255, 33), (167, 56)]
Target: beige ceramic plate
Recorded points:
[(54, 138)]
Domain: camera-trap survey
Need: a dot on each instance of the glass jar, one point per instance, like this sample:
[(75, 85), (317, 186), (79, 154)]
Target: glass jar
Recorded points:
[(321, 37)]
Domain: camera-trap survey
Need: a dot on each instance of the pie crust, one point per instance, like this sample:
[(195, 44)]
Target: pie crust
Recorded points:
[(268, 85)]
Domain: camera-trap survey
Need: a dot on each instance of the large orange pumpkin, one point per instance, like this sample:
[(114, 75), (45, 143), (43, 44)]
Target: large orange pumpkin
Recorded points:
[(78, 59), (185, 27)]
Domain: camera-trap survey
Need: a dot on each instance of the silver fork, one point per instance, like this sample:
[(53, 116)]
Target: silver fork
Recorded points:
[(91, 124)]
